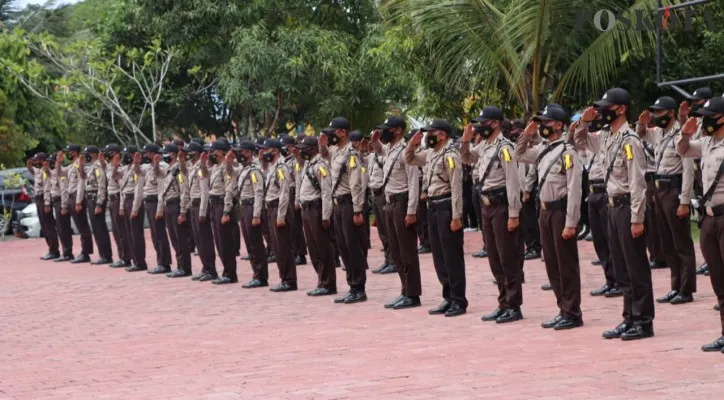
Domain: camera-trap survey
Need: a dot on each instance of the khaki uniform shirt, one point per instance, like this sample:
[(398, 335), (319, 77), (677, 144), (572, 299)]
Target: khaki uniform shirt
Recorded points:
[(152, 181), (298, 169), (565, 173), (318, 169), (251, 186), (668, 162), (711, 152), (444, 174), (346, 167), (375, 165), (39, 177), (401, 176), (294, 168), (504, 171), (277, 184), (96, 181), (56, 186), (76, 185), (113, 179)]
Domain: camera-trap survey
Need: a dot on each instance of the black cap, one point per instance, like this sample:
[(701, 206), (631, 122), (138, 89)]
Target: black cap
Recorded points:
[(39, 156), (272, 144), (198, 140), (260, 142), (700, 94), (112, 148), (72, 147), (308, 141), (713, 106), (91, 149), (151, 148), (438, 124), (298, 139), (663, 103), (552, 113), (549, 105), (394, 121), (193, 147), (286, 139), (169, 148), (220, 145), (246, 145), (337, 123), (490, 112), (207, 147), (356, 136), (615, 96), (130, 149)]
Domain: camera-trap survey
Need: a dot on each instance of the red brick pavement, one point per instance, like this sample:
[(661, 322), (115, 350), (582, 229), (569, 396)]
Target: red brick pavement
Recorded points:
[(91, 332)]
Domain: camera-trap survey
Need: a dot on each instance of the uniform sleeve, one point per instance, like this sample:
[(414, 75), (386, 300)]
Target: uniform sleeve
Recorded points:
[(160, 184), (574, 175), (413, 187), (468, 153), (586, 140), (512, 182), (688, 148), (325, 185), (116, 174), (687, 185), (524, 151), (284, 177), (204, 199), (140, 181), (636, 164), (355, 183), (230, 189), (414, 157), (257, 182), (80, 189), (102, 184), (184, 189), (63, 184), (455, 174), (47, 187), (530, 179), (298, 181)]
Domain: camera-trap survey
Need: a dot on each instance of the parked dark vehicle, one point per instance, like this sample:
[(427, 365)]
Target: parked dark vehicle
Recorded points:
[(12, 198)]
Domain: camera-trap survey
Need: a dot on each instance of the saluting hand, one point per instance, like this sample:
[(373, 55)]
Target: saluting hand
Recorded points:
[(376, 135), (323, 140), (589, 114), (644, 118), (690, 127), (230, 157), (157, 159), (137, 159), (684, 109), (456, 225), (513, 224), (60, 157), (468, 133), (416, 139), (637, 230), (531, 129), (116, 160), (568, 233)]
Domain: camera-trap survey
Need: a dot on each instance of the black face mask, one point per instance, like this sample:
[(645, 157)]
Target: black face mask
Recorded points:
[(284, 151), (190, 155), (709, 125), (595, 125), (386, 136), (308, 154), (662, 121), (167, 158), (333, 139), (544, 131), (51, 165), (694, 108), (37, 164), (607, 115), (212, 158), (485, 130), (431, 141), (514, 136), (146, 160), (127, 159), (267, 157), (88, 158)]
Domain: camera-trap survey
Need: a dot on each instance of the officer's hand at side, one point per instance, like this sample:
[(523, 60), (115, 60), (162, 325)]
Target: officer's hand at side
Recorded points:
[(689, 127), (255, 221), (358, 220), (325, 224), (182, 218), (121, 212), (531, 129), (468, 133), (297, 206), (513, 224), (159, 215), (225, 219), (456, 225), (98, 211), (423, 196), (683, 211), (410, 220), (202, 219), (637, 230), (134, 215), (47, 209), (589, 114), (416, 139), (78, 208), (526, 197), (63, 211), (281, 223), (569, 233)]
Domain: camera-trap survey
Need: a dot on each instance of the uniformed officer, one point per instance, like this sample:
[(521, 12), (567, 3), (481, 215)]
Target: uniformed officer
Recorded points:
[(264, 166), (348, 197), (444, 187), (401, 184), (674, 183), (625, 161), (295, 168), (360, 144), (375, 171), (528, 184), (131, 201), (315, 197), (198, 196), (477, 186), (221, 208), (559, 173), (38, 167), (58, 202), (76, 201), (96, 195), (172, 195), (653, 244), (153, 207), (280, 213), (118, 223), (501, 207), (710, 148), (250, 183), (423, 232)]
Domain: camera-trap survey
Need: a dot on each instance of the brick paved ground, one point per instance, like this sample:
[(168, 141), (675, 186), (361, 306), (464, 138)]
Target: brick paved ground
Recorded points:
[(90, 332)]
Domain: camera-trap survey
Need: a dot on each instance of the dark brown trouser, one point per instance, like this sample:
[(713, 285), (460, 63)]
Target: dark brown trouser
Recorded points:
[(366, 211), (598, 222), (65, 231), (204, 240), (47, 225), (81, 223), (378, 207), (266, 234), (134, 227), (99, 227), (350, 243), (403, 247), (529, 223), (235, 229), (504, 254), (423, 231), (300, 243), (179, 235), (254, 243), (223, 236), (633, 273), (320, 245), (281, 239), (675, 237), (119, 229), (158, 233), (562, 265), (712, 248), (447, 253), (653, 244)]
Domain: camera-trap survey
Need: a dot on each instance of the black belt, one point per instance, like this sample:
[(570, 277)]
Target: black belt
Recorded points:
[(494, 196), (128, 196), (561, 204), (216, 199), (272, 204), (378, 192), (669, 181), (114, 197), (650, 176), (619, 200), (597, 188), (715, 211), (38, 197), (173, 202), (443, 200), (344, 199), (247, 202), (316, 203), (55, 198), (195, 202), (150, 198), (91, 195), (398, 197)]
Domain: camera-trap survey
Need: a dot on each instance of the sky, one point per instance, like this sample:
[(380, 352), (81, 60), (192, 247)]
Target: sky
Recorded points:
[(23, 3)]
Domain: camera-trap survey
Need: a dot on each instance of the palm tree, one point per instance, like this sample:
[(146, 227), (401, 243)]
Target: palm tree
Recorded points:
[(535, 50)]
